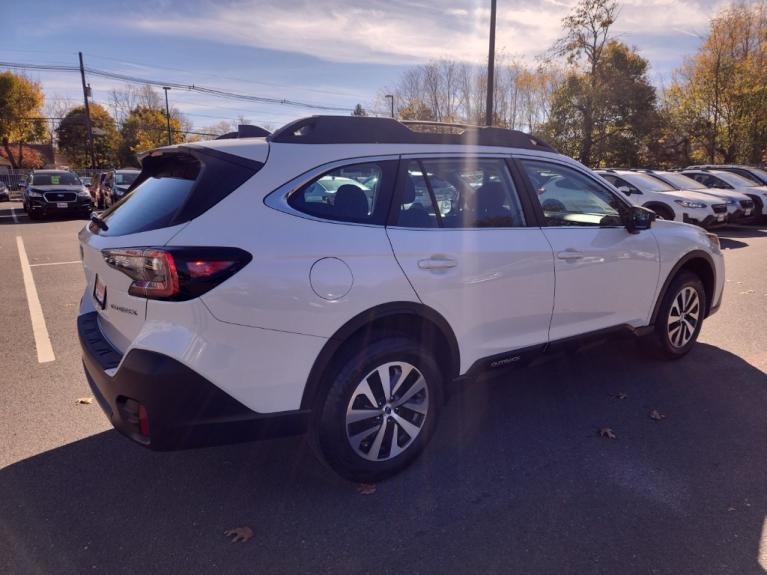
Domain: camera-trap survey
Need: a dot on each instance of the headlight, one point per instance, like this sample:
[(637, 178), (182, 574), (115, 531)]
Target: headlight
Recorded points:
[(34, 193), (689, 204), (713, 241), (83, 194), (731, 202)]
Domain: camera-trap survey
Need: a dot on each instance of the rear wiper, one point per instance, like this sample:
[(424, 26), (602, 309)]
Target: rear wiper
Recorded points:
[(99, 222)]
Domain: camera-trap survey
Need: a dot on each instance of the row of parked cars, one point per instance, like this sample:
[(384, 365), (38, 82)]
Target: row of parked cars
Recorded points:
[(48, 192), (709, 195)]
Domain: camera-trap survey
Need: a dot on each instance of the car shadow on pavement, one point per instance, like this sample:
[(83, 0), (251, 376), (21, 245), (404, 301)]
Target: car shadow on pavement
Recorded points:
[(730, 244), (754, 231), (517, 479)]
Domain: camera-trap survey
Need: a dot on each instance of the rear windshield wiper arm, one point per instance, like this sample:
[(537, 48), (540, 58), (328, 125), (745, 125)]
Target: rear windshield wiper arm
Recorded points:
[(99, 222)]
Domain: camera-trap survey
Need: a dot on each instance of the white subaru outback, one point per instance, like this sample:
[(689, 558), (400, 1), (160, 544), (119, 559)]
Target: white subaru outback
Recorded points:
[(227, 299)]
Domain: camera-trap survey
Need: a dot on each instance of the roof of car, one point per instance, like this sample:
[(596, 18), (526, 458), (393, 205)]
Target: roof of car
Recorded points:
[(371, 130)]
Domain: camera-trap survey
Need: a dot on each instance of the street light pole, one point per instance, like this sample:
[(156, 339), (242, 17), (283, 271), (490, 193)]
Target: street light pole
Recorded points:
[(88, 125), (167, 113), (391, 97), (490, 68)]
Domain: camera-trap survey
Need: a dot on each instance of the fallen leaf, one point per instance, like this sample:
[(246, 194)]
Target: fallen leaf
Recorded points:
[(239, 534), (621, 395), (607, 433), (366, 488), (747, 292), (656, 415), (84, 400)]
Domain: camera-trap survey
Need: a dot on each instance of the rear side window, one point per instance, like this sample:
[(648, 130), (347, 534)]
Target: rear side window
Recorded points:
[(357, 193), (458, 193), (174, 188)]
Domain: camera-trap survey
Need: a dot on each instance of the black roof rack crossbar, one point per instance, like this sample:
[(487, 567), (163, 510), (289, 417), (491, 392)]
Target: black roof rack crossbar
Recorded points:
[(367, 130)]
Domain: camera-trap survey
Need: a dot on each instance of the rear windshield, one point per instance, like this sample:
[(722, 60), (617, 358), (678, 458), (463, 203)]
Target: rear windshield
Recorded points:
[(154, 202), (55, 180), (174, 188)]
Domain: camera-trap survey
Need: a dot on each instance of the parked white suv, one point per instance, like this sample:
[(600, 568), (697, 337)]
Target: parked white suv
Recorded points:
[(226, 300), (739, 206), (724, 179), (666, 201)]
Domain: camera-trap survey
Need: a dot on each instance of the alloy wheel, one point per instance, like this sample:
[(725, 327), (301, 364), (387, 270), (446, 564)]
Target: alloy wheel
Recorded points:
[(683, 317), (387, 411)]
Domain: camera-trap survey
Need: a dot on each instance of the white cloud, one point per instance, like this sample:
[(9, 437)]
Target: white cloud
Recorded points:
[(407, 31)]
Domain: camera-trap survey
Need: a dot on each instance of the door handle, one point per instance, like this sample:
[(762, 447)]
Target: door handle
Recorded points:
[(437, 263), (570, 255)]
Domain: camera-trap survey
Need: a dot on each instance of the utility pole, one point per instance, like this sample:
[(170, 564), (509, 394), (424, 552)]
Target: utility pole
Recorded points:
[(167, 113), (391, 97), (490, 68), (87, 114)]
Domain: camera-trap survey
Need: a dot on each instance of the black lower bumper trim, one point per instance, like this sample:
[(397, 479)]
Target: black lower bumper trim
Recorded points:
[(184, 410), (709, 222)]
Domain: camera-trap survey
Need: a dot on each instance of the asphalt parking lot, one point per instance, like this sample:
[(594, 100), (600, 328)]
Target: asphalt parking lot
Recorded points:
[(517, 479)]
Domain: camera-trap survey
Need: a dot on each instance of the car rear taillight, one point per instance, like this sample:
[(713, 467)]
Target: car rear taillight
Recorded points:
[(176, 274)]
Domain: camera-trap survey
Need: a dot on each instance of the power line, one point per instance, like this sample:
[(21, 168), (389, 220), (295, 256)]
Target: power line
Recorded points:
[(219, 76), (189, 87)]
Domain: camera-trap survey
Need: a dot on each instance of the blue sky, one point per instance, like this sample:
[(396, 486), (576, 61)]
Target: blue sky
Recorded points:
[(327, 52)]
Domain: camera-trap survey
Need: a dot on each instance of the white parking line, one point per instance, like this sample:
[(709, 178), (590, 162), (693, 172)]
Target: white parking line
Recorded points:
[(54, 263), (39, 329), (13, 213)]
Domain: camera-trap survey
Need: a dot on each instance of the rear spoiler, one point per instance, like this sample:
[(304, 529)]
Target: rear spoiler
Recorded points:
[(246, 131)]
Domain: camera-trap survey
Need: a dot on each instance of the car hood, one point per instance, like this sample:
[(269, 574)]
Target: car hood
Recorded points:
[(692, 196), (721, 193)]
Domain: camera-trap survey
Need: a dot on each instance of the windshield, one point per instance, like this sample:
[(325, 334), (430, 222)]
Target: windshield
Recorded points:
[(648, 183), (682, 182), (125, 179), (761, 173), (735, 180), (62, 179)]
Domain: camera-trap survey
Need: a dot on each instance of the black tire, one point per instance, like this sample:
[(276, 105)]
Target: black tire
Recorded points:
[(330, 429), (34, 215), (661, 341)]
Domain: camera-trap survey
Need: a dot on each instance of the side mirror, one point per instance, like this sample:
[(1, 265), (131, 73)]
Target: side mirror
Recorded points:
[(638, 219), (625, 190)]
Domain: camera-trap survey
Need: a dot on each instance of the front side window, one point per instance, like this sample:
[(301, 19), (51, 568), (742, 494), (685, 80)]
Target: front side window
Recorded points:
[(458, 193), (569, 198), (621, 183), (353, 193)]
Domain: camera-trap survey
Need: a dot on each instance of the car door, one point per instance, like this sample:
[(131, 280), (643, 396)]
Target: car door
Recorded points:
[(605, 276), (472, 253)]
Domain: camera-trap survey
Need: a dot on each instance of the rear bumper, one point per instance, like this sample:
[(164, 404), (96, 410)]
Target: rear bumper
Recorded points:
[(183, 409)]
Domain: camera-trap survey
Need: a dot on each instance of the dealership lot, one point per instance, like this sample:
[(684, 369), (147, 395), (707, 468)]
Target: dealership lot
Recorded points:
[(516, 480)]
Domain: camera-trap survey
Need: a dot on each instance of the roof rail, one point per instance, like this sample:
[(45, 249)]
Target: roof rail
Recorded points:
[(368, 130), (245, 131)]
